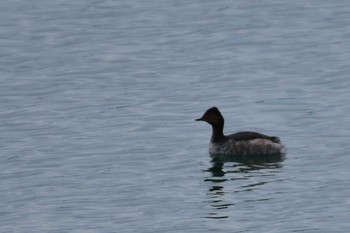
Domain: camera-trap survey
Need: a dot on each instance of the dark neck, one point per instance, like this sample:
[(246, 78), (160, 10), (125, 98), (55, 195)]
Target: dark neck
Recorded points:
[(217, 133)]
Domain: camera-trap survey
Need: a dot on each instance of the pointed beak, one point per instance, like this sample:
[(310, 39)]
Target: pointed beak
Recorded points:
[(199, 119)]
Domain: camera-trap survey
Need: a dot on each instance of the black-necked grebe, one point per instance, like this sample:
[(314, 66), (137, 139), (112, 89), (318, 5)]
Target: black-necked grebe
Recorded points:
[(241, 143)]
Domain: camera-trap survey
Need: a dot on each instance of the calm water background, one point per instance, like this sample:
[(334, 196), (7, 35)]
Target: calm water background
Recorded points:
[(97, 105)]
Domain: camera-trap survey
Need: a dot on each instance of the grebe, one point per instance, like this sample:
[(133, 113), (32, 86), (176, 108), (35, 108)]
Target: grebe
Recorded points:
[(241, 143)]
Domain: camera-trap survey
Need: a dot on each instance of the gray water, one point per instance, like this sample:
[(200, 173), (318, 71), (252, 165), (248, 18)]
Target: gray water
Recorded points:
[(98, 101)]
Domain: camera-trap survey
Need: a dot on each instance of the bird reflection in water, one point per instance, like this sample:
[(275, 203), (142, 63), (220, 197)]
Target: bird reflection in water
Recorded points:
[(225, 170)]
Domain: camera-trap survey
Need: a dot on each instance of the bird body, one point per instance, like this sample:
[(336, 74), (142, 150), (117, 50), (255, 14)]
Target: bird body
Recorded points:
[(241, 143)]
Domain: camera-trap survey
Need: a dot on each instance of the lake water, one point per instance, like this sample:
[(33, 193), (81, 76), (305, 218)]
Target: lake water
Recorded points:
[(99, 97)]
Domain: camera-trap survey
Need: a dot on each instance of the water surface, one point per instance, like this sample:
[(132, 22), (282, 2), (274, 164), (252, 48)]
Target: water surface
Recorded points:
[(98, 101)]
